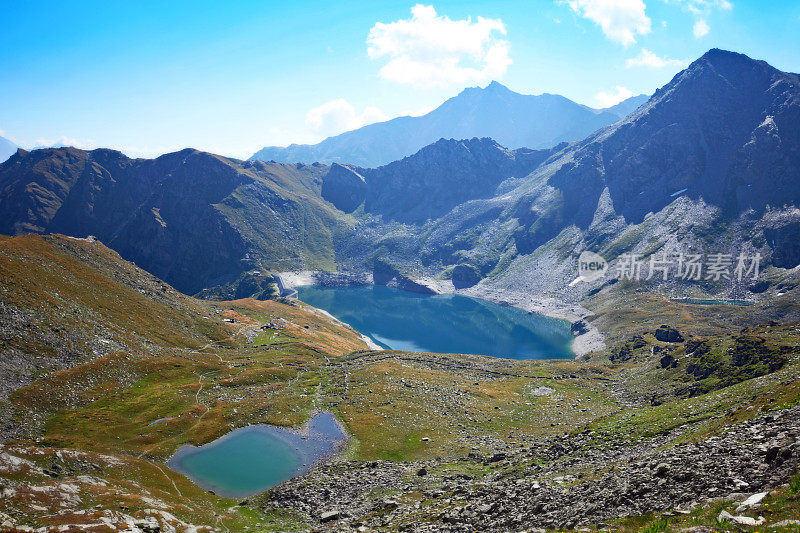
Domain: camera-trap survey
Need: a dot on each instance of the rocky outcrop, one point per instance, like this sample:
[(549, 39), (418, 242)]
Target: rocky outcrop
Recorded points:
[(386, 274), (554, 483), (784, 239), (344, 187), (255, 284), (668, 334), (465, 276)]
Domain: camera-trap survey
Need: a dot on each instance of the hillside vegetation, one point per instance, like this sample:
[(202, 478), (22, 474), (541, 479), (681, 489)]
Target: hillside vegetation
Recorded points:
[(87, 435)]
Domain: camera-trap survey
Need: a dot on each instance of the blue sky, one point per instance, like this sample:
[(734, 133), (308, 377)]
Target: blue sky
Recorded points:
[(230, 77)]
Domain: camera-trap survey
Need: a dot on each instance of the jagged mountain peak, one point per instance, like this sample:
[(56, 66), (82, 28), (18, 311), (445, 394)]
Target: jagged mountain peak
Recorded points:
[(720, 57), (496, 86), (723, 71), (722, 131), (474, 143), (492, 89), (732, 66)]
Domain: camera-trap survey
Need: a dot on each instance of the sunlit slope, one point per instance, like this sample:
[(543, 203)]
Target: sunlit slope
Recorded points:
[(107, 366)]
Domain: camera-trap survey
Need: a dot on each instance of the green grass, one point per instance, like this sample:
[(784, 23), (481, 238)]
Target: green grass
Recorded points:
[(781, 504), (794, 484), (656, 526)]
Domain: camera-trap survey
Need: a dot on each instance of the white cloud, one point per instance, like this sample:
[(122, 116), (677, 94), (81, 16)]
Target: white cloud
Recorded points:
[(646, 58), (337, 116), (700, 10), (702, 7), (429, 50), (620, 20), (700, 28), (63, 141), (619, 94)]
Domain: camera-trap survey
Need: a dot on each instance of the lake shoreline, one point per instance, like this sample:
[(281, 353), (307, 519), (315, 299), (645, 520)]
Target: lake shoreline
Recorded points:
[(587, 338), (280, 432)]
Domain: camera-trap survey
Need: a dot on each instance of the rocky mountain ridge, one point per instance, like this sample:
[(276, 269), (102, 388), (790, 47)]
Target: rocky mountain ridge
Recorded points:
[(710, 163), (431, 182), (514, 120), (177, 215)]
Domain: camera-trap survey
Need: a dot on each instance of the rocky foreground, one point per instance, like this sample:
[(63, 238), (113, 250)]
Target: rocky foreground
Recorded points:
[(563, 483)]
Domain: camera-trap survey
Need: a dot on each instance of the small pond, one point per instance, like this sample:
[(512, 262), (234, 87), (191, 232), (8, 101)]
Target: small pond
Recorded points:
[(251, 459)]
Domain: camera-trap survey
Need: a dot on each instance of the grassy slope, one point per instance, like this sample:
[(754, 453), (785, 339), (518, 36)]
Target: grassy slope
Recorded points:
[(392, 400), (86, 287), (297, 229), (173, 357)]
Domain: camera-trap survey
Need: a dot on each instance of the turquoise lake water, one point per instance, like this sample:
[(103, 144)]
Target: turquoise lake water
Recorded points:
[(254, 458), (444, 323)]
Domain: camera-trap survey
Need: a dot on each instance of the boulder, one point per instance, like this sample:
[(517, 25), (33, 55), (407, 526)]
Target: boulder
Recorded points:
[(661, 470), (752, 501), (579, 327), (327, 516), (786, 523), (465, 275), (668, 334), (725, 516)]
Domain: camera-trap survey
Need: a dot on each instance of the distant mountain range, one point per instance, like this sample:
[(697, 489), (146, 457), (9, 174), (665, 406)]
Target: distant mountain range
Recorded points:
[(710, 162), (514, 120), (7, 149)]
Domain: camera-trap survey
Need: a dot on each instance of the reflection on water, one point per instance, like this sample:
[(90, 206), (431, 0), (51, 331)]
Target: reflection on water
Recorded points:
[(445, 323)]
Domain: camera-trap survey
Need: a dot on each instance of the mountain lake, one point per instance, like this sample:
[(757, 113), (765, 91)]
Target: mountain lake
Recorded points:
[(254, 458), (444, 323)]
